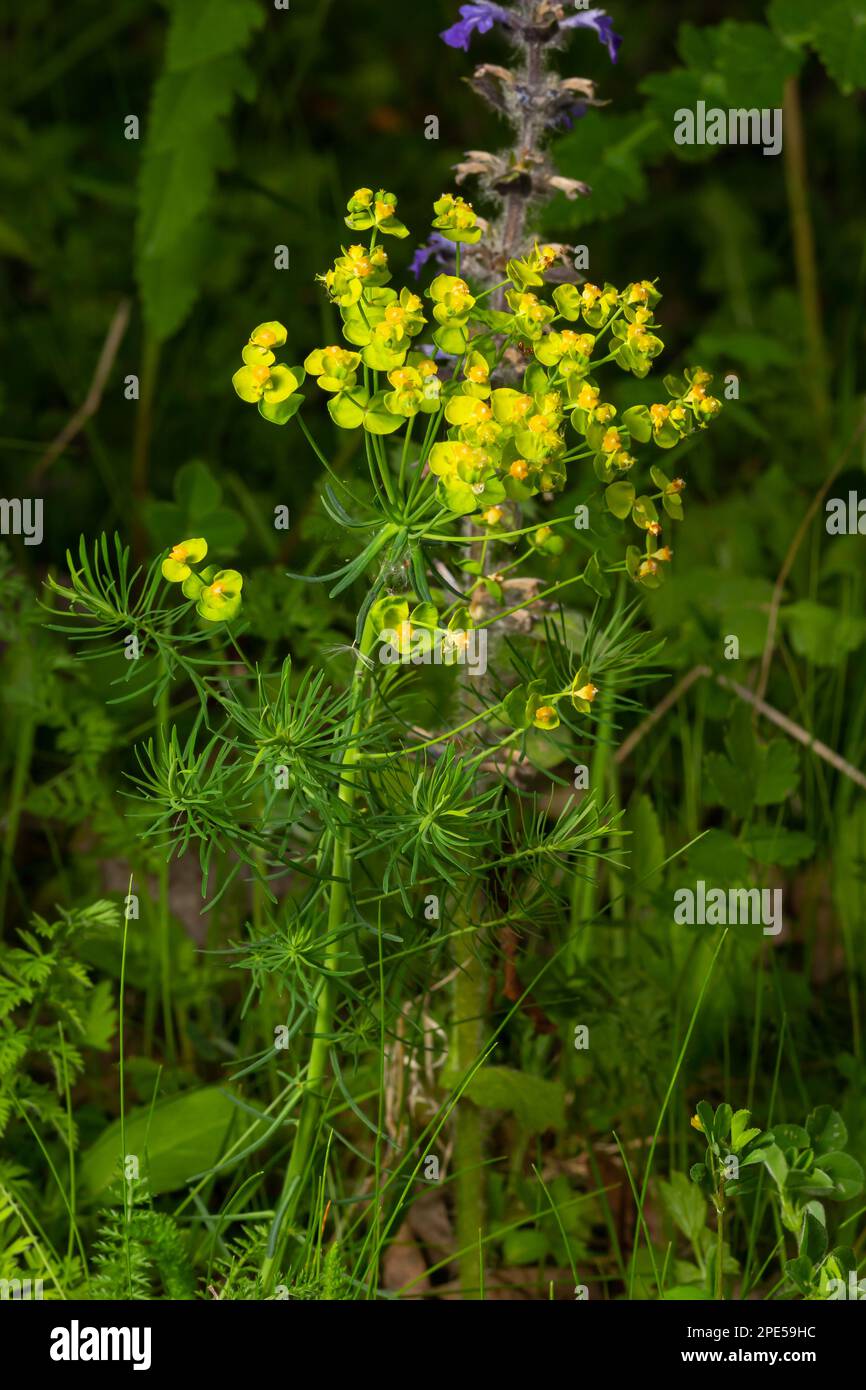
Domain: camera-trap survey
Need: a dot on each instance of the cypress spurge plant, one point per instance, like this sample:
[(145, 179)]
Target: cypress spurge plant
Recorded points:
[(405, 803), (417, 379)]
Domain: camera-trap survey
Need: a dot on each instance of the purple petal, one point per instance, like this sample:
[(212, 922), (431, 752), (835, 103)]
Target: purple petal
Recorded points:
[(481, 16), (438, 246), (601, 22), (566, 119)]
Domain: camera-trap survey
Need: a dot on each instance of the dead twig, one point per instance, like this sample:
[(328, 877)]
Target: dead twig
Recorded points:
[(93, 399), (788, 726), (795, 731), (625, 750)]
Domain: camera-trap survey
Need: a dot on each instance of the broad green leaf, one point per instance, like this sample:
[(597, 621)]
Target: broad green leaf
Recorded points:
[(685, 1204), (741, 743), (813, 1233), (775, 845), (732, 65), (822, 634), (186, 144), (745, 1138), (799, 1271), (792, 1136), (840, 39), (727, 786), (779, 772), (525, 1247), (196, 489), (609, 153), (698, 1174), (722, 1121), (808, 1183), (538, 1104), (794, 20), (181, 1137), (844, 1172), (646, 846), (706, 1115), (514, 707), (206, 30), (197, 509), (771, 1156), (719, 859), (753, 63)]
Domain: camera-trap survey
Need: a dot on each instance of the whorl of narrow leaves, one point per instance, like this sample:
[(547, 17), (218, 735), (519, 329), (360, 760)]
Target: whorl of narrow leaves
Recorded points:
[(186, 144)]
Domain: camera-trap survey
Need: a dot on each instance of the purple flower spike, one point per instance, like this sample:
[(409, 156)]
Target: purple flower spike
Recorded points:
[(481, 16), (601, 22)]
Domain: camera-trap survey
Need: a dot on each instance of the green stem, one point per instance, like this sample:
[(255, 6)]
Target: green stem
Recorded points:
[(803, 234), (584, 889), (384, 469), (401, 486), (468, 1136), (163, 718), (341, 868), (121, 1017), (20, 773)]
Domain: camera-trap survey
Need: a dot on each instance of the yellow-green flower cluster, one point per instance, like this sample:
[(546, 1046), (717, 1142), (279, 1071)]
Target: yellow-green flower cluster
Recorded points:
[(263, 381), (216, 593), (335, 368), (452, 306), (358, 269), (415, 387), (456, 219), (531, 314), (489, 443), (383, 326), (368, 210), (502, 443), (528, 272), (529, 706), (589, 302)]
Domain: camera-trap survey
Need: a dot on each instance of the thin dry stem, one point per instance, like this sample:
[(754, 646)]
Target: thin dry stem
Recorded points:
[(93, 399)]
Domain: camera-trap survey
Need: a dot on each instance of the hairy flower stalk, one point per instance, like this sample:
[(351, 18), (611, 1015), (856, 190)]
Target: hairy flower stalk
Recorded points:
[(536, 102)]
